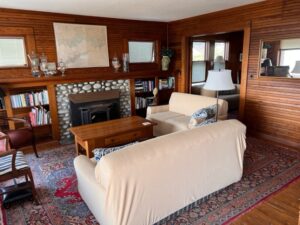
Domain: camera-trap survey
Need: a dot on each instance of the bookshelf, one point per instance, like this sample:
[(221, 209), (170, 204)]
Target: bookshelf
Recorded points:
[(142, 92), (33, 104), (166, 85), (143, 95)]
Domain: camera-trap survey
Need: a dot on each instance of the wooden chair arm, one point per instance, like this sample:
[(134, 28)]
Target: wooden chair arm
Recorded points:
[(3, 136), (25, 121)]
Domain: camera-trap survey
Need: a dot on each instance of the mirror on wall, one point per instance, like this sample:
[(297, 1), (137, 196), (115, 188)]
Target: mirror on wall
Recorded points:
[(280, 58)]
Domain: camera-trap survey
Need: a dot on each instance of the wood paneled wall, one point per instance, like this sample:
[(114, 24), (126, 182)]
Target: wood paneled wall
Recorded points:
[(272, 107), (118, 30)]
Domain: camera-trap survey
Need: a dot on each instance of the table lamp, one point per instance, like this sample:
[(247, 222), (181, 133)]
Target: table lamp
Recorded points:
[(219, 81), (267, 63), (219, 63)]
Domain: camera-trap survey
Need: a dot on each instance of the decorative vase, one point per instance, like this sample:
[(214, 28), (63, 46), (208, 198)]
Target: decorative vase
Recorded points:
[(165, 61), (116, 63)]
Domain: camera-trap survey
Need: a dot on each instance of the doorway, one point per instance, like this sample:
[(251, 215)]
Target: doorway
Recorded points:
[(217, 52)]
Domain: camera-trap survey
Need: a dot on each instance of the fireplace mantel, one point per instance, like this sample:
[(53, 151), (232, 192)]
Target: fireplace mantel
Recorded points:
[(28, 81), (94, 96)]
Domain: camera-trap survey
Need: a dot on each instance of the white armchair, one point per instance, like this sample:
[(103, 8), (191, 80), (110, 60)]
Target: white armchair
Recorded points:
[(176, 116)]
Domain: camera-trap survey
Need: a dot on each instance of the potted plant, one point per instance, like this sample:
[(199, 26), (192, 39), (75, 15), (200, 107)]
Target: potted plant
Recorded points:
[(166, 54)]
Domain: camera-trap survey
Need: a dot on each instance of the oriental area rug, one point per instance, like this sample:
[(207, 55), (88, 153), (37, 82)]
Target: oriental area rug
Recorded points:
[(267, 169)]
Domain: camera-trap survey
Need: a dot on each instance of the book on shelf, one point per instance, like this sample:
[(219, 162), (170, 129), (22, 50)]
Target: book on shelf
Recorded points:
[(30, 99), (39, 116), (144, 85), (171, 82), (166, 83), (163, 84), (141, 103)]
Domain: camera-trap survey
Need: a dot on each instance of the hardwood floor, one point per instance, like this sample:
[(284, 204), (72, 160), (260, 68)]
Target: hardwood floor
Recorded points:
[(280, 209)]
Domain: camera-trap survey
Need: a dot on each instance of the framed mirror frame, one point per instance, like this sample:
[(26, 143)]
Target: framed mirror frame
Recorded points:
[(20, 32), (278, 71)]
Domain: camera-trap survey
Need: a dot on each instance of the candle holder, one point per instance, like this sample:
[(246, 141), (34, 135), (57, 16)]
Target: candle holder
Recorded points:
[(61, 66), (116, 63), (125, 62)]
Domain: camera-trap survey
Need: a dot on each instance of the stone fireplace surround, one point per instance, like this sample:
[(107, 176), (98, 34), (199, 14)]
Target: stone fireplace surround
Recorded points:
[(63, 105)]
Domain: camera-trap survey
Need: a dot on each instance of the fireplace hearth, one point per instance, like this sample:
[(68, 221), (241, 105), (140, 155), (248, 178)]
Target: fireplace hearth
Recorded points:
[(63, 102), (94, 107)]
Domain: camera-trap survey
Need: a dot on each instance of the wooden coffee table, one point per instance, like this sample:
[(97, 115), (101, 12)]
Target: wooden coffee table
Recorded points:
[(111, 133)]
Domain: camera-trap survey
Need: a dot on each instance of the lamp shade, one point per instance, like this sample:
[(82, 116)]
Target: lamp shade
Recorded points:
[(296, 68), (267, 62), (219, 59), (219, 80)]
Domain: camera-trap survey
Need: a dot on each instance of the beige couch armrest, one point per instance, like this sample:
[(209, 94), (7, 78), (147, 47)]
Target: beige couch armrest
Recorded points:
[(157, 109), (223, 117), (85, 167)]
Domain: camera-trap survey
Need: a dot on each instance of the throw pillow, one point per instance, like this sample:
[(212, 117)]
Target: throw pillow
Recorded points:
[(206, 122), (100, 152), (203, 116)]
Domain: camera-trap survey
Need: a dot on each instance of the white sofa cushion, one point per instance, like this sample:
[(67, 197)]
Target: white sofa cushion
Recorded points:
[(162, 116), (172, 125), (168, 122), (187, 104)]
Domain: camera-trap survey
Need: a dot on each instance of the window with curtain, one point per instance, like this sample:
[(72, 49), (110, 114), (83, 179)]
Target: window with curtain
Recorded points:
[(199, 57), (12, 52)]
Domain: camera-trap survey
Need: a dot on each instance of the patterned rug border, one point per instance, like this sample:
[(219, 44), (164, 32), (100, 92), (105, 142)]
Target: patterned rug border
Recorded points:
[(284, 187), (2, 215)]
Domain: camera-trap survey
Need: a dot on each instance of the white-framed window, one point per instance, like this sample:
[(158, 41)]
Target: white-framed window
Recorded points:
[(221, 49), (288, 57), (12, 52), (141, 51), (200, 54)]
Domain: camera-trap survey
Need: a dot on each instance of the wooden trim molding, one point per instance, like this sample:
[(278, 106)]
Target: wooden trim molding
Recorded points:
[(145, 65), (185, 46), (244, 74), (28, 34), (53, 110)]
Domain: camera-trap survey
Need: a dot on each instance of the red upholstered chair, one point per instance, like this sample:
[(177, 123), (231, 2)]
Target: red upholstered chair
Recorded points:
[(21, 137)]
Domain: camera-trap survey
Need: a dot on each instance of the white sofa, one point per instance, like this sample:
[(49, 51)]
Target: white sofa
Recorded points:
[(144, 183), (176, 116)]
